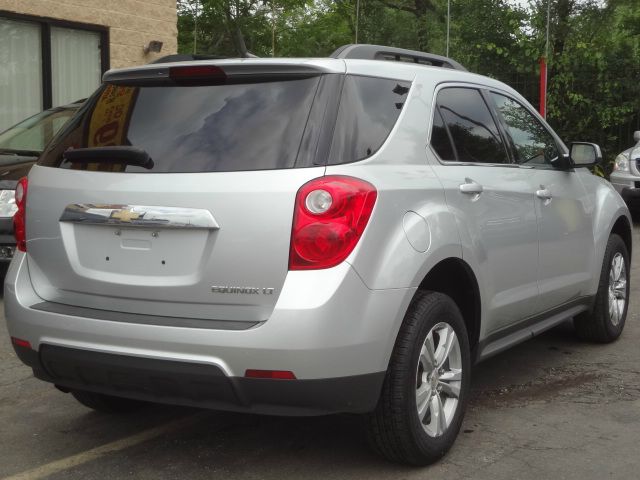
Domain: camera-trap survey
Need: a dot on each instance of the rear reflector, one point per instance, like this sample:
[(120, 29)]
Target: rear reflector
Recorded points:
[(18, 342), (273, 374)]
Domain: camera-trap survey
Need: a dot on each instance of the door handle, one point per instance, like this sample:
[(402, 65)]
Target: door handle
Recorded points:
[(544, 193), (470, 187)]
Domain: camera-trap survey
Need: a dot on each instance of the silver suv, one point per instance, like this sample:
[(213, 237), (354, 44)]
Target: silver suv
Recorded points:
[(308, 236)]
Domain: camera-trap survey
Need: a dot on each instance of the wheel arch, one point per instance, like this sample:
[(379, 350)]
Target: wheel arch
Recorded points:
[(622, 227), (455, 278)]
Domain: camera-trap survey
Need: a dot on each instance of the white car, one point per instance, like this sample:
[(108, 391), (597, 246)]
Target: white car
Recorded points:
[(626, 172)]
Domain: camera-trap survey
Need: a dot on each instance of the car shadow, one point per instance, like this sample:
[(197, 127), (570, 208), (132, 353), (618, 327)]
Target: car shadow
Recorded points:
[(233, 445)]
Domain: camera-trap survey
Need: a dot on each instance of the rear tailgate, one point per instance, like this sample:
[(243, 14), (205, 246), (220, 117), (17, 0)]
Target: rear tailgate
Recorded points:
[(229, 269), (203, 230)]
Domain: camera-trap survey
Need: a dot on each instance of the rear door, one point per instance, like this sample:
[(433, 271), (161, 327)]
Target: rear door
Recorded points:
[(201, 231), (493, 201)]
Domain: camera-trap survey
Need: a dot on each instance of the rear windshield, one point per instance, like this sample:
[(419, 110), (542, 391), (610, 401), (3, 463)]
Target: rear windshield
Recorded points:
[(217, 128), (235, 127)]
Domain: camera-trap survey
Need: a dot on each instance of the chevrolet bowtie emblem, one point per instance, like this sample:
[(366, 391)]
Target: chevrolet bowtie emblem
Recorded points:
[(125, 215)]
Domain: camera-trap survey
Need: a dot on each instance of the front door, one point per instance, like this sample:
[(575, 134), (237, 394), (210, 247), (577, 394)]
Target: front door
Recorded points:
[(563, 210)]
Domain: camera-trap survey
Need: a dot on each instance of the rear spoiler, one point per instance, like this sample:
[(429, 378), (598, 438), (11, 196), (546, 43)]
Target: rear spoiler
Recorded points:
[(215, 72)]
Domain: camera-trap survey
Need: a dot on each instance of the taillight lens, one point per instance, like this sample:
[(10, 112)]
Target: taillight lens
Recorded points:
[(330, 215), (19, 218)]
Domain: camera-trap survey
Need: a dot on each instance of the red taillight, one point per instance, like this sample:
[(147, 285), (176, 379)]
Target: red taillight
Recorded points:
[(330, 215), (272, 374), (198, 73), (18, 342), (19, 218)]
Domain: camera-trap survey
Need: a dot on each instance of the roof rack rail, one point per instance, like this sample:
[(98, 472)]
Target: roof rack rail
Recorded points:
[(379, 52)]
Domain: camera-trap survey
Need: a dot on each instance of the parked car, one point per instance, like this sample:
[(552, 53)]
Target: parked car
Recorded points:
[(309, 236), (626, 172), (20, 147)]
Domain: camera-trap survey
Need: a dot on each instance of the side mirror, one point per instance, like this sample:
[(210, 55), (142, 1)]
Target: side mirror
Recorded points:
[(636, 136), (585, 154)]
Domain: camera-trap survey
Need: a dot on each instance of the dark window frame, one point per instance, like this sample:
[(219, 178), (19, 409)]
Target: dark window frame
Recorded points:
[(484, 95), (45, 25)]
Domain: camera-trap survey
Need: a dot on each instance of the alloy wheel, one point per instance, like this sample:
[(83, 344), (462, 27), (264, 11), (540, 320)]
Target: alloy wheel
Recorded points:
[(617, 288), (438, 379)]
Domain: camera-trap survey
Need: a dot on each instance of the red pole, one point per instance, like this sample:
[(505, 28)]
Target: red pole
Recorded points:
[(543, 87)]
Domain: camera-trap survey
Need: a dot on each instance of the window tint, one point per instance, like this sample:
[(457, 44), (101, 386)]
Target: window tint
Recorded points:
[(230, 127), (474, 132), (440, 139), (533, 143), (369, 108)]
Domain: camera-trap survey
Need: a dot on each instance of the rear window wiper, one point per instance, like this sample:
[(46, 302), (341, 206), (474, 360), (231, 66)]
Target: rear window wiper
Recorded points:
[(127, 155)]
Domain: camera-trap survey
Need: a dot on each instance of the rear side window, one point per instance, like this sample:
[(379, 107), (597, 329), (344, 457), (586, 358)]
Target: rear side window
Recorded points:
[(467, 118), (231, 127), (369, 108), (440, 140)]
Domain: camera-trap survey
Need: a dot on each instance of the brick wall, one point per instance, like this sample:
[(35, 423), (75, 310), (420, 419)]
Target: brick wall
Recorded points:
[(132, 23)]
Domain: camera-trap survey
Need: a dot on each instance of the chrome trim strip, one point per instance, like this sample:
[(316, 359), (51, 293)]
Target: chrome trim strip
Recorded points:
[(140, 216), (143, 319)]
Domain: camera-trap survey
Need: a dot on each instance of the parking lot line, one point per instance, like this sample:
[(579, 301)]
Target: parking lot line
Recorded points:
[(63, 464)]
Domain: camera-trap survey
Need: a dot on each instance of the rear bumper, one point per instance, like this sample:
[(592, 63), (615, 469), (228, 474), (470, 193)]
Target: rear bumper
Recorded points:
[(199, 385), (328, 328)]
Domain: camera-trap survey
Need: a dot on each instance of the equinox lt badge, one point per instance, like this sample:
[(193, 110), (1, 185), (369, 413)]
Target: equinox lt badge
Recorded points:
[(242, 290)]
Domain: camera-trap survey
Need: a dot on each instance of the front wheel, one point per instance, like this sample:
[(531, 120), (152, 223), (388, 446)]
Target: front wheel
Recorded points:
[(606, 321), (425, 391)]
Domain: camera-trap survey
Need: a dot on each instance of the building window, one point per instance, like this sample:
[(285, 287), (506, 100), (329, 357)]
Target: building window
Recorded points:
[(47, 63)]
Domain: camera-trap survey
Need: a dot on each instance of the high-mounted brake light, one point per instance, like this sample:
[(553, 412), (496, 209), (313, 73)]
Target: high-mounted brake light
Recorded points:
[(19, 218), (330, 215), (198, 73)]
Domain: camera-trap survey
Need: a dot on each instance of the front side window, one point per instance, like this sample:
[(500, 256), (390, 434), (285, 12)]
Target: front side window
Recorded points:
[(533, 143), (475, 135)]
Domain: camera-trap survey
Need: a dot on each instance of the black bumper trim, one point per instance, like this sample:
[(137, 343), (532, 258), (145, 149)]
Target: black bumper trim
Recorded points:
[(143, 319), (202, 385), (629, 193), (6, 230)]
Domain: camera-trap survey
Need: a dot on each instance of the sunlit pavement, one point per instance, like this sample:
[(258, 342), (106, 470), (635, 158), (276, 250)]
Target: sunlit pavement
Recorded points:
[(550, 408)]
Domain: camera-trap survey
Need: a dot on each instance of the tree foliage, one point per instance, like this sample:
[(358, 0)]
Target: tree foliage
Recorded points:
[(594, 46)]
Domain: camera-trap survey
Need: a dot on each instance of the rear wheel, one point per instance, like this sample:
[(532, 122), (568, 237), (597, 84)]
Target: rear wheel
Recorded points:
[(106, 403), (423, 399), (606, 321)]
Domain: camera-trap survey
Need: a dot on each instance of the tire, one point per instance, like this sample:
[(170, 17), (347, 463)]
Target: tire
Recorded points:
[(394, 428), (601, 324), (106, 403)]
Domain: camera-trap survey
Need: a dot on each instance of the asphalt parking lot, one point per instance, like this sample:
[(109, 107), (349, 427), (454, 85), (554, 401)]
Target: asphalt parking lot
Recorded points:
[(551, 408)]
